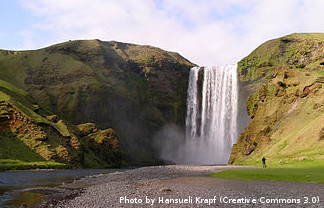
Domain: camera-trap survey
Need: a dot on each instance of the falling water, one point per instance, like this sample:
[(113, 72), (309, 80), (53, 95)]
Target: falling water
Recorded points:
[(211, 128)]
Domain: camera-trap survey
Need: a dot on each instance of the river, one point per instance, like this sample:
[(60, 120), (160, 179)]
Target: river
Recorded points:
[(13, 182)]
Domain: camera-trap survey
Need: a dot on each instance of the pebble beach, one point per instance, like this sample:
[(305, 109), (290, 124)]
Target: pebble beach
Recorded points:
[(181, 186)]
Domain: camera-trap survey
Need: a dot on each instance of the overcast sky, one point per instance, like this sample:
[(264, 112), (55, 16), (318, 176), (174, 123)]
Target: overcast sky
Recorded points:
[(207, 32)]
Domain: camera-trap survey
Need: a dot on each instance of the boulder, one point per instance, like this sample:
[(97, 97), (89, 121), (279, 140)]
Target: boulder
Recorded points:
[(87, 128), (53, 118)]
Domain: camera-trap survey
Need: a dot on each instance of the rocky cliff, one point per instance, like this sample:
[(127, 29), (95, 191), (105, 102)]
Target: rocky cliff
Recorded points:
[(132, 89), (284, 81)]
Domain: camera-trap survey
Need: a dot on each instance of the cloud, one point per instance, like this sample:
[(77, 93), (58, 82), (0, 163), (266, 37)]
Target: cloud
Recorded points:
[(206, 32), (28, 38)]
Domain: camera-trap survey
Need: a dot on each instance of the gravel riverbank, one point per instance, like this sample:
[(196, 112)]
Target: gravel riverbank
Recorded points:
[(182, 186)]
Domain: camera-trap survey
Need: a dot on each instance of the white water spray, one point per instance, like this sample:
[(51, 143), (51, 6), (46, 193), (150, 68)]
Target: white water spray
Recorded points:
[(211, 127)]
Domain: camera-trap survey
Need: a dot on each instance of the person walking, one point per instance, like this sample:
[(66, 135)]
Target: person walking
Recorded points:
[(264, 162)]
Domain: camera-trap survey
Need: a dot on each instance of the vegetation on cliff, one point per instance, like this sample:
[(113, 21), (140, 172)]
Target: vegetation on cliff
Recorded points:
[(285, 79), (36, 142), (132, 89)]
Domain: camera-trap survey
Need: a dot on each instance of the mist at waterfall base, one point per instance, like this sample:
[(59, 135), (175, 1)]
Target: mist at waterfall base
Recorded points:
[(211, 121)]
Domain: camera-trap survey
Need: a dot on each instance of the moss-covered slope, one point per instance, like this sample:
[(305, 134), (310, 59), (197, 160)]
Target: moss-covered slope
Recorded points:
[(285, 80), (130, 88), (29, 140)]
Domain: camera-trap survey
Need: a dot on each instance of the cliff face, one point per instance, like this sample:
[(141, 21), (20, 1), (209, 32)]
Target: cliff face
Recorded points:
[(284, 79), (133, 89), (32, 138)]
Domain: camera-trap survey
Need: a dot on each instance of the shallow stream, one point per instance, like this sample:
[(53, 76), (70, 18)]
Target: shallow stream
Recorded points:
[(12, 182)]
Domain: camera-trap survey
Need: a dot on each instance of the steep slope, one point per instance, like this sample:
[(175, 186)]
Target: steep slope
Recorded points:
[(27, 138), (130, 88), (284, 78)]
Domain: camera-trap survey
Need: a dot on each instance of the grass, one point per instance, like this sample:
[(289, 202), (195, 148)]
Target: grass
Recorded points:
[(293, 173), (275, 52), (11, 164), (12, 147), (286, 125), (76, 74), (18, 98), (12, 88)]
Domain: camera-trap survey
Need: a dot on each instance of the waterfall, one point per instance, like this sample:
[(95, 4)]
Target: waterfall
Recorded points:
[(211, 127)]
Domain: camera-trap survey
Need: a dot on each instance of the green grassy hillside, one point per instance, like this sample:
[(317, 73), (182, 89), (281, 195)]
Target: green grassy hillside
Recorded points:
[(130, 88), (286, 103)]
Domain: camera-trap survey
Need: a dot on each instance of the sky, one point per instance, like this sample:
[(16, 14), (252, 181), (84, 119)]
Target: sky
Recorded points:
[(207, 32)]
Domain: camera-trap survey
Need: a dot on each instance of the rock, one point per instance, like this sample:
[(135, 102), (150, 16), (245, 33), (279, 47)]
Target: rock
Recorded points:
[(307, 90), (75, 143), (36, 108), (316, 106), (320, 80), (39, 135), (56, 142), (282, 84), (4, 111), (53, 118), (87, 128), (321, 134), (63, 153), (63, 128), (105, 145), (165, 190)]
